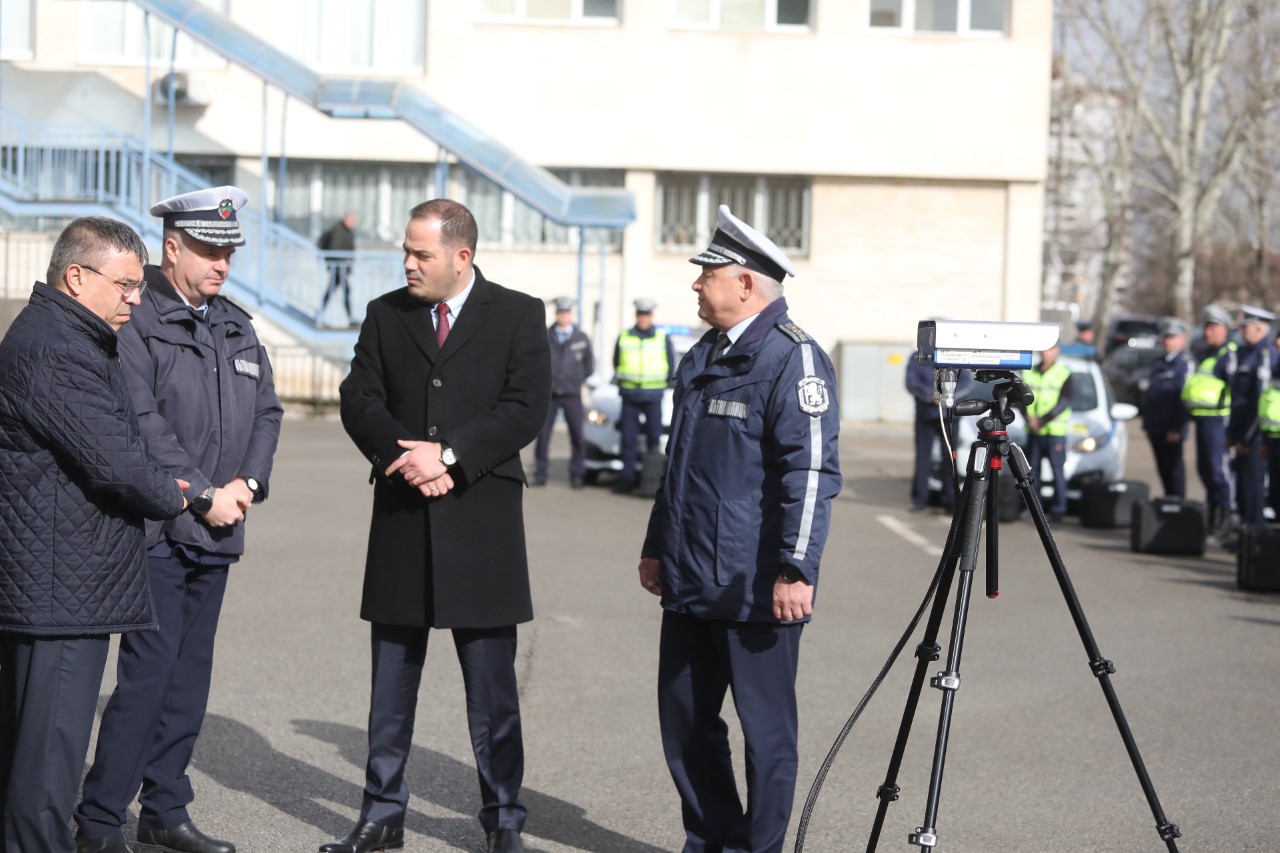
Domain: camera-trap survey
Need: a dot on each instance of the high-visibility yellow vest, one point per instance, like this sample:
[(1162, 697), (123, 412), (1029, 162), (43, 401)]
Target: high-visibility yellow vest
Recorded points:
[(1047, 388), (1205, 395), (642, 362), (1269, 410)]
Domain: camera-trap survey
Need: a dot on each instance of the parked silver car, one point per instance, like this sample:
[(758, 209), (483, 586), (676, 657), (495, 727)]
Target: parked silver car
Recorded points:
[(1097, 437), (602, 432)]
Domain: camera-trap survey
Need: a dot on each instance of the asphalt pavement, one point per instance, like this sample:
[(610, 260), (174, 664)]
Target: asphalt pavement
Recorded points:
[(1034, 763)]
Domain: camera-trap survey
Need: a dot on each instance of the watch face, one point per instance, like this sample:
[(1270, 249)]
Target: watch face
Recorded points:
[(448, 457), (252, 484)]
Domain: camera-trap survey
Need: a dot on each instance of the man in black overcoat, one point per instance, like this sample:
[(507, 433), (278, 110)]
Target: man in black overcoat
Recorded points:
[(451, 378)]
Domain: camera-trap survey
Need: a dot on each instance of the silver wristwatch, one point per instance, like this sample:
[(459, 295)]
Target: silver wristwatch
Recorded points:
[(448, 457)]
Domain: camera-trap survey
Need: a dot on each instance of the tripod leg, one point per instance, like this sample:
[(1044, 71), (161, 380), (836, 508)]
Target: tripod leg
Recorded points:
[(1101, 667), (948, 681)]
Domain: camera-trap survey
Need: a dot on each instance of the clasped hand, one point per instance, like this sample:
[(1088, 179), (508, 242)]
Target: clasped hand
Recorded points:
[(421, 468)]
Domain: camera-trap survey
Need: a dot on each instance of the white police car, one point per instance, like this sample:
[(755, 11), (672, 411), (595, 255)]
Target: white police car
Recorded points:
[(1097, 436), (602, 433)]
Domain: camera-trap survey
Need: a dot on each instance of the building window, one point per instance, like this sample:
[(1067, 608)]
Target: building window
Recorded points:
[(15, 30), (317, 193), (742, 14), (114, 32), (385, 37), (505, 222), (964, 17), (689, 204), (585, 11)]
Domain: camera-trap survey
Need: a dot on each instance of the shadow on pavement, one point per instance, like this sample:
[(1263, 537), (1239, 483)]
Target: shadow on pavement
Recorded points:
[(240, 759)]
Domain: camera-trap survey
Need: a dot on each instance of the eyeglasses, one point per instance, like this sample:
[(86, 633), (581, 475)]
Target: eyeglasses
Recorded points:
[(127, 288)]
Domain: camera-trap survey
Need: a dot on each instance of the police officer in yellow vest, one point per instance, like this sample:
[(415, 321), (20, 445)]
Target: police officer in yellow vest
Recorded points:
[(1269, 423), (1048, 417), (643, 363), (1207, 398)]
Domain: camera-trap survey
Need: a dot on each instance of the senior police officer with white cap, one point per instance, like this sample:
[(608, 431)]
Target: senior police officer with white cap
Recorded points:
[(644, 361), (1164, 417), (1249, 372), (202, 387), (735, 538), (1207, 398), (571, 363)]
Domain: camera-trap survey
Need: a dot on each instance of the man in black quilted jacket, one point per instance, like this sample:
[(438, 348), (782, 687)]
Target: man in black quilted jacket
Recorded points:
[(76, 482)]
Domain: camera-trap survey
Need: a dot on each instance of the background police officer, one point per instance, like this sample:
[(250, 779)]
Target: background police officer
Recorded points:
[(1249, 372), (202, 386), (1164, 417), (928, 432), (643, 363), (1048, 418), (1207, 397), (571, 363), (734, 542), (1269, 422)]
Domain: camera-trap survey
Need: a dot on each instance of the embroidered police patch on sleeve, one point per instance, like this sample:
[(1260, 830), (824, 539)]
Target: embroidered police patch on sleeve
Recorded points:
[(812, 391)]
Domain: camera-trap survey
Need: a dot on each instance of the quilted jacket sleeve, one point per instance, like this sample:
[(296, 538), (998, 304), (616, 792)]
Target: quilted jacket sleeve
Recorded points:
[(82, 410)]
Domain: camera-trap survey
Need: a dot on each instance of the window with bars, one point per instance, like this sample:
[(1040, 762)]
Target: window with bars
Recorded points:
[(114, 32), (688, 206), (742, 14), (317, 193), (964, 17), (16, 31), (506, 222), (550, 10)]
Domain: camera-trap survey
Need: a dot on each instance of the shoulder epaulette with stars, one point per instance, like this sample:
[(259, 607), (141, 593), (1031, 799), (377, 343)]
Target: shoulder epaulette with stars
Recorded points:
[(797, 334)]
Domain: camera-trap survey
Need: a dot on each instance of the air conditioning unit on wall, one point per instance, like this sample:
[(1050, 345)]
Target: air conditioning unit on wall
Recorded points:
[(187, 92)]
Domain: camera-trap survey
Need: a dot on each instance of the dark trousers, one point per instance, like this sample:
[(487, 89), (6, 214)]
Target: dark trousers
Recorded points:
[(928, 432), (1273, 475), (150, 725), (637, 402), (1173, 473), (698, 661), (487, 657), (1055, 448), (1211, 460), (1251, 489), (339, 279), (571, 405), (48, 696)]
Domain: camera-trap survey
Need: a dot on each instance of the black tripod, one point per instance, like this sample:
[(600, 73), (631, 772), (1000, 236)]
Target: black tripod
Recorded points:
[(987, 458)]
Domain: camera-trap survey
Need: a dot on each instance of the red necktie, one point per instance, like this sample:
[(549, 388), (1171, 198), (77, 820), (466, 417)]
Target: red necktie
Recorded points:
[(442, 328)]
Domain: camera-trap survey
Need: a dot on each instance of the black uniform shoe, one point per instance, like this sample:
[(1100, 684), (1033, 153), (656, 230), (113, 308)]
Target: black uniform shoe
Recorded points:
[(183, 838), (505, 841), (366, 836), (114, 844)]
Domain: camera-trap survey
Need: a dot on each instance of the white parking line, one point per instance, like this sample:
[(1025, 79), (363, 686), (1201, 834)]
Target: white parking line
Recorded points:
[(910, 535)]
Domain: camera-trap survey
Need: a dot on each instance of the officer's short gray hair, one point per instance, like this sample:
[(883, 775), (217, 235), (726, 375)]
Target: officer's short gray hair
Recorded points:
[(770, 289), (88, 241)]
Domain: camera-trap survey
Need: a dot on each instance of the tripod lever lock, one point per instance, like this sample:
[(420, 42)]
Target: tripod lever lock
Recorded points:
[(946, 681), (1102, 667), (888, 792), (1169, 831), (923, 838), (930, 651)]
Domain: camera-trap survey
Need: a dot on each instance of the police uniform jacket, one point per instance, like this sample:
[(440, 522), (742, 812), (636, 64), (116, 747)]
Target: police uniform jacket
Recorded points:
[(1247, 370), (458, 561), (206, 401), (571, 362), (76, 480), (1162, 408), (752, 469)]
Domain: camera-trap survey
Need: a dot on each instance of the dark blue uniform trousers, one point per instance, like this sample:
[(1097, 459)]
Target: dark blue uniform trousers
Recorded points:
[(571, 405), (48, 696), (1055, 448), (1273, 475), (150, 725), (1211, 460), (487, 657), (637, 402), (928, 432), (1251, 494), (1169, 464), (698, 661)]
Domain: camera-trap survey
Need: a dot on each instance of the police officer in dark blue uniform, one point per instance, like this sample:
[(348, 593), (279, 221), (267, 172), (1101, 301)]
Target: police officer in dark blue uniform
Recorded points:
[(928, 432), (571, 363), (1248, 372), (735, 539), (202, 387), (1164, 417), (1207, 397)]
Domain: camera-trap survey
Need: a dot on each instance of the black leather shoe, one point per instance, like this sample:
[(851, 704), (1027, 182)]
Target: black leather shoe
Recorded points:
[(366, 836), (114, 844), (505, 841), (183, 838)]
